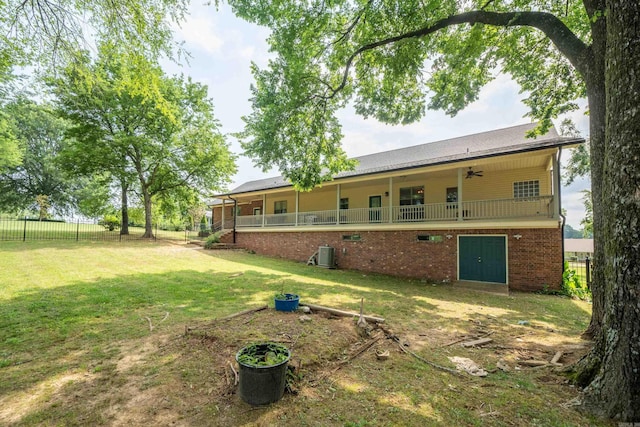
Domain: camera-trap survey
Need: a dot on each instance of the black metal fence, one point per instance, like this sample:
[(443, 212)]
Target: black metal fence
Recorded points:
[(583, 268), (25, 228)]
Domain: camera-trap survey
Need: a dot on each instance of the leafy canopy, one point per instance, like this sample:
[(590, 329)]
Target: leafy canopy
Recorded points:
[(394, 59)]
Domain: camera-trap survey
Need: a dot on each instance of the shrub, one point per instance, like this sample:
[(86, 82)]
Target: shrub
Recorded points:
[(211, 240), (572, 285), (110, 222)]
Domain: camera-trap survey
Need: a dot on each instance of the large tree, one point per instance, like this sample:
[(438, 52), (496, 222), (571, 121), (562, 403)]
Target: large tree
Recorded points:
[(169, 144), (41, 134), (393, 59)]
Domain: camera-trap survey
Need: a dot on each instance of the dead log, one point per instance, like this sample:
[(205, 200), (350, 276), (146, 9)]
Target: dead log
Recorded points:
[(479, 342), (342, 313)]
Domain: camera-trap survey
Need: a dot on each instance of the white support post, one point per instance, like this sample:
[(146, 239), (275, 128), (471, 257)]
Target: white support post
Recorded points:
[(264, 208), (460, 211), (390, 199), (297, 205), (337, 204), (222, 218), (556, 188)]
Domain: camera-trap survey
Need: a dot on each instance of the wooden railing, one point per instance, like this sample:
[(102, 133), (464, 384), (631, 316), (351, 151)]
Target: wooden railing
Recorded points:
[(531, 207)]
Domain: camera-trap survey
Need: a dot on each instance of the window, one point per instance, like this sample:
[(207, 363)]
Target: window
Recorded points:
[(526, 189), (280, 207), (452, 195), (412, 196), (344, 203)]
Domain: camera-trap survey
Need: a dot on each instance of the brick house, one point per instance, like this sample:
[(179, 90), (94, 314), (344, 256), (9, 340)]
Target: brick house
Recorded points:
[(478, 208)]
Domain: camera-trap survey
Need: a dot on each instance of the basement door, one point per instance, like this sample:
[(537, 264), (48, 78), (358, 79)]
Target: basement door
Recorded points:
[(482, 258)]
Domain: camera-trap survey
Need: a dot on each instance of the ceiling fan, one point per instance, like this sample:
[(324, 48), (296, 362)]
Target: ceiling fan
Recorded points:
[(471, 173)]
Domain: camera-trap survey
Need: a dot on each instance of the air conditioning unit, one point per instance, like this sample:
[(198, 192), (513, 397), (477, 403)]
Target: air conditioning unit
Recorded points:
[(326, 257)]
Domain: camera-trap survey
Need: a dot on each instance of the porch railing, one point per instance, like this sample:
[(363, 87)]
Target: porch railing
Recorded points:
[(531, 207)]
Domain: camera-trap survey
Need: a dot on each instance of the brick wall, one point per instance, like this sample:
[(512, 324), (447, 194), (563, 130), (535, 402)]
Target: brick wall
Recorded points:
[(535, 260)]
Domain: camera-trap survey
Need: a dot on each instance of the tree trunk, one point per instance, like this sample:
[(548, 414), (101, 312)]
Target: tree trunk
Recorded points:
[(615, 390), (148, 226), (124, 229), (597, 113)]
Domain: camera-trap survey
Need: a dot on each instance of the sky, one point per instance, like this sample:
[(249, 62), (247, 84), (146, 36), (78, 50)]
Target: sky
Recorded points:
[(222, 48)]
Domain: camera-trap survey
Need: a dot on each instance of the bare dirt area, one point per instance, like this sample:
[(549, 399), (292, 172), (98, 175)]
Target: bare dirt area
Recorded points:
[(337, 376)]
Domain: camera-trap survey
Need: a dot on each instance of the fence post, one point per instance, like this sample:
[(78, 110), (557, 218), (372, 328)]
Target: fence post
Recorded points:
[(78, 230), (24, 232), (587, 264)]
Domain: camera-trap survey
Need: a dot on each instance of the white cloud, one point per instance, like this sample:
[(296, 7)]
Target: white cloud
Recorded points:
[(198, 32)]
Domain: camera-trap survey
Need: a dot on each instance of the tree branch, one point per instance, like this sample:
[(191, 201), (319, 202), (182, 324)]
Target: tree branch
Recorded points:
[(574, 49)]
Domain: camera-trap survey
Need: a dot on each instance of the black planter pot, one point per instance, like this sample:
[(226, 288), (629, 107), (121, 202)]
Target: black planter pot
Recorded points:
[(261, 385)]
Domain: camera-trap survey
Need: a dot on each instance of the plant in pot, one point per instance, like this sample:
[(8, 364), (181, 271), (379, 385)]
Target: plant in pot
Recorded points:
[(263, 372), (286, 302)]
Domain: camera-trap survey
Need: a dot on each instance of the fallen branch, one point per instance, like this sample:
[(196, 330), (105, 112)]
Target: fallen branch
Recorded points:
[(342, 312), (533, 363), (165, 317), (187, 329), (422, 359), (478, 342), (236, 380), (242, 313)]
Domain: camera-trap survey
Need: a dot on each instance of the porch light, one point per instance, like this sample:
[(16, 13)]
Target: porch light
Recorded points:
[(517, 236), (448, 236)]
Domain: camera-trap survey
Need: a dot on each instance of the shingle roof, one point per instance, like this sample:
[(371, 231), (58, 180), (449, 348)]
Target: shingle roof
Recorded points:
[(486, 144)]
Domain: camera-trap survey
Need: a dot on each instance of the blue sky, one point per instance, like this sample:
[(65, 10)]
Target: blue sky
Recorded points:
[(222, 48)]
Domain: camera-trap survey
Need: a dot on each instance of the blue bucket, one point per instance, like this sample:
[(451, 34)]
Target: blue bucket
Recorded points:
[(289, 303)]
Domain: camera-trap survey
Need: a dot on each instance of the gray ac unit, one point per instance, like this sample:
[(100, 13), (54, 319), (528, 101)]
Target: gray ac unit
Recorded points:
[(326, 257)]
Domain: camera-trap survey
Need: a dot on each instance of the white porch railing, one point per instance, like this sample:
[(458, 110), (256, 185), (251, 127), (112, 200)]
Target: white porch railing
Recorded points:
[(531, 207)]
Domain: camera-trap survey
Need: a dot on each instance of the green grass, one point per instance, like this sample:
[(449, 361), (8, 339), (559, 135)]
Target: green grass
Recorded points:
[(71, 312), (17, 229)]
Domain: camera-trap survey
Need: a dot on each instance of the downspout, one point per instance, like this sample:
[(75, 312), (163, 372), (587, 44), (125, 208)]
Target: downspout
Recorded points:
[(564, 219), (235, 213)]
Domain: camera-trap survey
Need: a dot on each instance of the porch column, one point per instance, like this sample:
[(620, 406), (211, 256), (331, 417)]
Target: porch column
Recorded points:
[(222, 217), (460, 212), (390, 199), (338, 204), (297, 205), (264, 208), (555, 179)]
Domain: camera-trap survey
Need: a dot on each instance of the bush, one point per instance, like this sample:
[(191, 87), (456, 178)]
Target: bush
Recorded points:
[(110, 222), (572, 285), (211, 240)]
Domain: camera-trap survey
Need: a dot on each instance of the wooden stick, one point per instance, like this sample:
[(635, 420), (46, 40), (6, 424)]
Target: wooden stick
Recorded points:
[(342, 312), (556, 357), (422, 359), (150, 324), (242, 313), (533, 362), (165, 317), (235, 382), (474, 343)]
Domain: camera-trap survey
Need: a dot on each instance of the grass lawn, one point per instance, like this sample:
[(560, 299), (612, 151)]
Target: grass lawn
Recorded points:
[(94, 334)]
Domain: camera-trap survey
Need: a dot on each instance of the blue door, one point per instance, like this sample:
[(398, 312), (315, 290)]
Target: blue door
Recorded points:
[(482, 258)]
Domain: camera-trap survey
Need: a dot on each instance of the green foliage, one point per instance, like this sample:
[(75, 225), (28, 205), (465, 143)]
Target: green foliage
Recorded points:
[(263, 354), (572, 286), (47, 34), (110, 222), (167, 139), (393, 60), (41, 136), (212, 240)]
